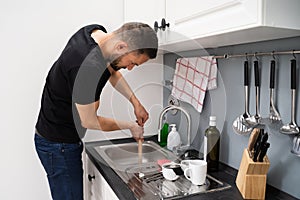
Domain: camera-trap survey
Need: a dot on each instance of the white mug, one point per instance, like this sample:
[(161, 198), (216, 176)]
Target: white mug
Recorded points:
[(171, 171), (185, 164), (196, 172)]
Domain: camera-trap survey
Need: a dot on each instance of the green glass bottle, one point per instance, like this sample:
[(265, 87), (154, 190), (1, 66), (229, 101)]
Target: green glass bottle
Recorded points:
[(212, 137), (164, 135)]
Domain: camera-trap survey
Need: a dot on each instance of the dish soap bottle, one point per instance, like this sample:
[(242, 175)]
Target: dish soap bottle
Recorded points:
[(164, 134), (173, 138), (212, 141)]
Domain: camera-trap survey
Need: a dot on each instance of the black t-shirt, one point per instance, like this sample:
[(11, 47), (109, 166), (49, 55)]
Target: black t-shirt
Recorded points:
[(78, 76)]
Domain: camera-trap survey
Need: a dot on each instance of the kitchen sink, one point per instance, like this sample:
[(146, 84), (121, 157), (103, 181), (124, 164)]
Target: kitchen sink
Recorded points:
[(125, 161), (122, 156)]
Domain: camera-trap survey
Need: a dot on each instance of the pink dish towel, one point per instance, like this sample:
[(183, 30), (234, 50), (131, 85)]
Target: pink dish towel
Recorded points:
[(193, 76)]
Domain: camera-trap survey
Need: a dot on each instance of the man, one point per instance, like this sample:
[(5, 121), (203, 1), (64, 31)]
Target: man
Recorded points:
[(71, 98)]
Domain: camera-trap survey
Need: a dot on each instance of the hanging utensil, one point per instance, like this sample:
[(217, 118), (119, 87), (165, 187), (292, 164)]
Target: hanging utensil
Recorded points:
[(292, 127), (274, 121), (238, 124), (255, 120), (274, 114), (248, 121)]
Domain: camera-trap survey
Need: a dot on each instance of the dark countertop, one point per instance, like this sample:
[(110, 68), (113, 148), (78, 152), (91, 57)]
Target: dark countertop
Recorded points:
[(225, 174)]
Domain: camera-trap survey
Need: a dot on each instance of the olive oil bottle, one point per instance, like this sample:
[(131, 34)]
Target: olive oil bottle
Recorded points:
[(212, 137)]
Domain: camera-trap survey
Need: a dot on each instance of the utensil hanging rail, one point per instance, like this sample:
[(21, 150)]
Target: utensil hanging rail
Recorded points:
[(227, 56)]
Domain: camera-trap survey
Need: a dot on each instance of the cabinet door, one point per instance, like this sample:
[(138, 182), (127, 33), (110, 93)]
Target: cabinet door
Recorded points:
[(95, 187), (101, 189), (194, 18), (87, 185)]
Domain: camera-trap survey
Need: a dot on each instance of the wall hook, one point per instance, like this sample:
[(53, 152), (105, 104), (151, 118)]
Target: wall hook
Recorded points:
[(255, 55), (293, 53), (273, 56), (247, 58)]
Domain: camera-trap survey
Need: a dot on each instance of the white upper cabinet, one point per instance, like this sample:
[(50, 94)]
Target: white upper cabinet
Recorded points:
[(208, 17), (213, 23)]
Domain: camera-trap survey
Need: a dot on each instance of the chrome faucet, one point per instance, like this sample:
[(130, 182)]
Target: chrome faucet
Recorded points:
[(171, 107)]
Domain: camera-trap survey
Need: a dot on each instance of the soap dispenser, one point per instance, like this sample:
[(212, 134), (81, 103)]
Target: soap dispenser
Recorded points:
[(173, 138)]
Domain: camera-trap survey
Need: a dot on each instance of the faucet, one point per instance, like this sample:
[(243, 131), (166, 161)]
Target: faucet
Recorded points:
[(171, 107)]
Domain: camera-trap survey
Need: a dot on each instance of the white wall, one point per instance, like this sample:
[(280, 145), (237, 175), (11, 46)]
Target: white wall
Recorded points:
[(32, 35), (146, 82)]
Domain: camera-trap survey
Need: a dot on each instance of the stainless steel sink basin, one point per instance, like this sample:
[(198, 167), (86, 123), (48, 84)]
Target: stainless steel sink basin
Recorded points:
[(125, 161), (122, 156)]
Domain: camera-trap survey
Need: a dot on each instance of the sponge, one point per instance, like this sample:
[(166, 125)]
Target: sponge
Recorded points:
[(163, 161)]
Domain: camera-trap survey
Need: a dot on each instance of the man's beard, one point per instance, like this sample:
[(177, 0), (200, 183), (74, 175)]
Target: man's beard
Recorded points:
[(114, 63)]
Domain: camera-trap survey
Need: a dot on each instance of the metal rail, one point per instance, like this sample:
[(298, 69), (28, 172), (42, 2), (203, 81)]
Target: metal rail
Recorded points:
[(273, 53)]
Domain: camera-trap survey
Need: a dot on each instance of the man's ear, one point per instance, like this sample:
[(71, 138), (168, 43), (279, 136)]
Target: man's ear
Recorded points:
[(121, 47)]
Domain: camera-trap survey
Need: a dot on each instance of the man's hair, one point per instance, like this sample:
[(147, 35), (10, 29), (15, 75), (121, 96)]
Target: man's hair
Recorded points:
[(139, 37)]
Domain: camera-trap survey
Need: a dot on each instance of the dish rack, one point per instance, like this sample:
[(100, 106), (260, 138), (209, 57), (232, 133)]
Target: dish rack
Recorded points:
[(148, 177)]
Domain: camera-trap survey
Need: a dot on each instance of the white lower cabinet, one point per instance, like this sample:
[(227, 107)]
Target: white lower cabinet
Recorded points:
[(95, 186)]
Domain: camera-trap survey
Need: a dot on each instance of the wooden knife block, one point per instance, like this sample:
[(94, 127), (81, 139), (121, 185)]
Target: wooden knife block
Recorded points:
[(252, 177)]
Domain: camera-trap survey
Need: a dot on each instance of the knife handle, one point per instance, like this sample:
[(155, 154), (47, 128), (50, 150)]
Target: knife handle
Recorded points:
[(263, 152), (272, 74), (256, 152), (252, 140), (264, 138), (258, 144), (258, 138)]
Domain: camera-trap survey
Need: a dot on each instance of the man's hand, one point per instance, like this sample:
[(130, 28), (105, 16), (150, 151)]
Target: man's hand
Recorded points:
[(141, 114), (120, 84), (137, 131)]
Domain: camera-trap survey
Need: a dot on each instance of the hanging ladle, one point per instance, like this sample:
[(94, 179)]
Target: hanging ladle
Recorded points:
[(292, 127)]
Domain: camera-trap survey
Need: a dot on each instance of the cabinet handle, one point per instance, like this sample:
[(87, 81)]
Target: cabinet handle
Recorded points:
[(156, 27), (163, 25), (90, 177)]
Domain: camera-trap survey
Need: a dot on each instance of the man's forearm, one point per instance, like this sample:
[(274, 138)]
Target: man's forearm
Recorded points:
[(108, 124), (121, 85), (90, 119)]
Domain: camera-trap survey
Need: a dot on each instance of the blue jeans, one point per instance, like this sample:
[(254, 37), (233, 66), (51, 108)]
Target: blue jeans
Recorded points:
[(63, 165)]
